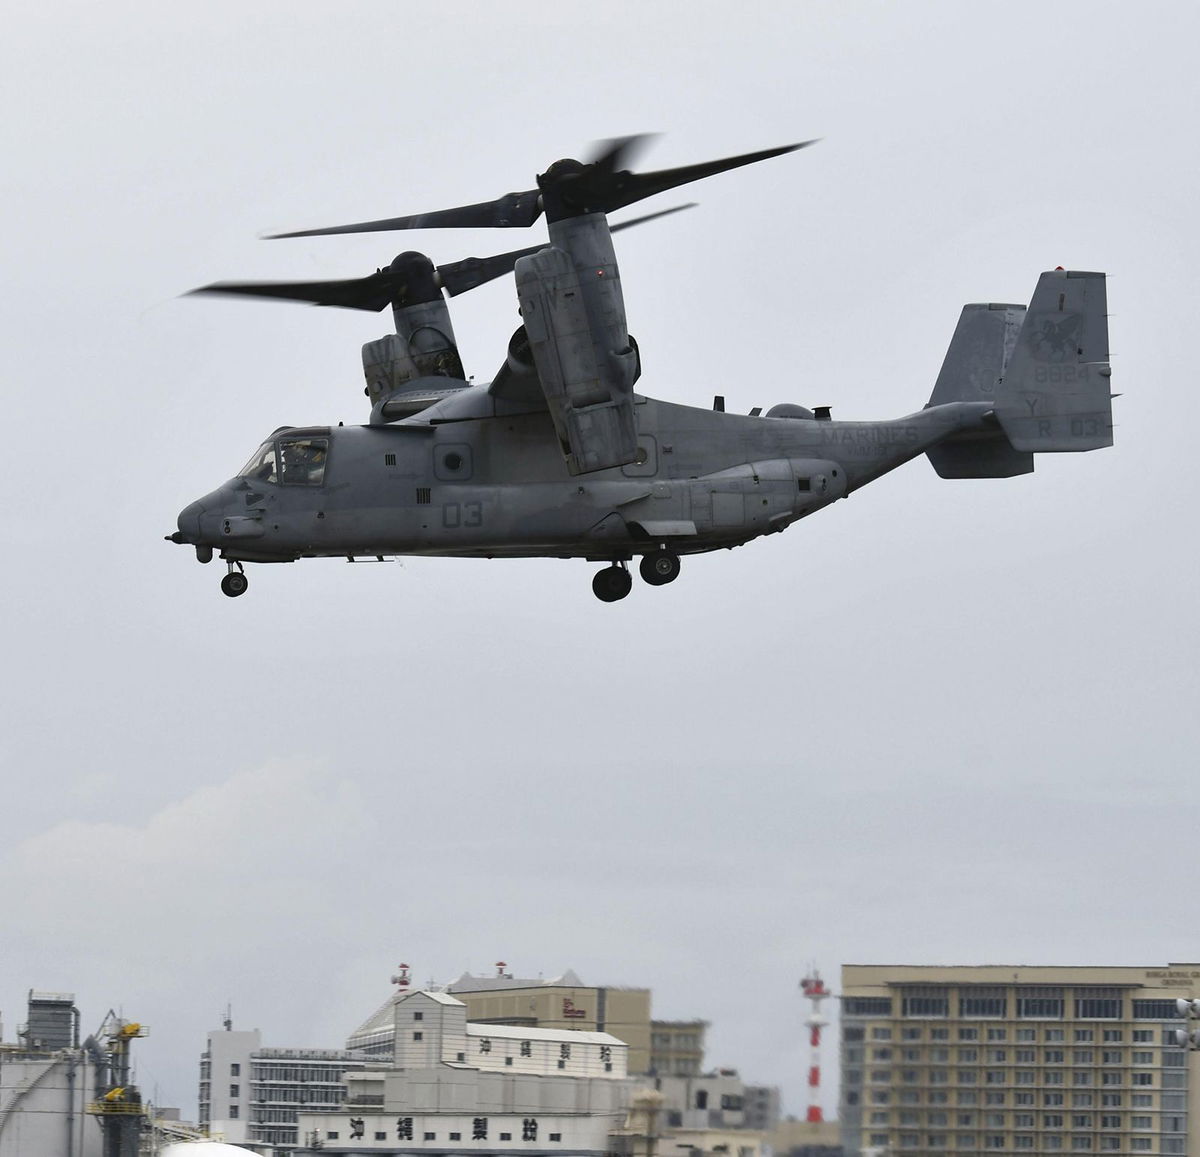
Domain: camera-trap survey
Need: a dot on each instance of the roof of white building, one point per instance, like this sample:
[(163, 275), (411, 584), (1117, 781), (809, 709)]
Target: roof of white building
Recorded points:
[(384, 1016), (529, 1032)]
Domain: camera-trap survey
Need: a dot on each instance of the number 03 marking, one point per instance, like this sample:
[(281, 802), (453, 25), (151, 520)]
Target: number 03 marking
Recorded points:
[(462, 514)]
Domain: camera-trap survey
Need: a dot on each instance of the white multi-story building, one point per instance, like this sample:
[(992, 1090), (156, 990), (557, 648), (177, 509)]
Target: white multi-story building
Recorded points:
[(458, 1087), (253, 1095)]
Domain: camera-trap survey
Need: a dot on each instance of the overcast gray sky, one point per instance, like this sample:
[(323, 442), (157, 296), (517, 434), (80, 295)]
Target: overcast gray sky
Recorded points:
[(941, 722)]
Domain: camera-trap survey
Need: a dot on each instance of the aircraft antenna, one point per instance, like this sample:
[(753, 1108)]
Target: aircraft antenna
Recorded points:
[(814, 991)]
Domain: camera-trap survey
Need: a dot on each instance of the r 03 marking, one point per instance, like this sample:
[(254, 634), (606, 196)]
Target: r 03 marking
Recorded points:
[(462, 514)]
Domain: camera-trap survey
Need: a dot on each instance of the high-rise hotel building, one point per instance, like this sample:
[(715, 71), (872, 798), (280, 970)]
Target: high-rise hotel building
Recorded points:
[(1021, 1060)]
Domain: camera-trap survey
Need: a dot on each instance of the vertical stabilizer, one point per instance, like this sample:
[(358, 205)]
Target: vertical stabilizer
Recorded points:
[(1054, 395)]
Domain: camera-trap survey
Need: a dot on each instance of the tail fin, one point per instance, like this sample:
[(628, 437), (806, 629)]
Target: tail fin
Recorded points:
[(1055, 392), (974, 368)]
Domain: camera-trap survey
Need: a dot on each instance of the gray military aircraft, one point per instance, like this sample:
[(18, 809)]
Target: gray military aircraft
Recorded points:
[(558, 456)]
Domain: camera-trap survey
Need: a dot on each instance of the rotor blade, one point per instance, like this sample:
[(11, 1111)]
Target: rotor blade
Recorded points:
[(385, 286), (471, 272), (618, 153), (512, 211), (626, 188), (372, 293)]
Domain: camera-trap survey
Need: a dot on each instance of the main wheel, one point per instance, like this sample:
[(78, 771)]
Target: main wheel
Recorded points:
[(234, 584), (659, 568), (612, 583)]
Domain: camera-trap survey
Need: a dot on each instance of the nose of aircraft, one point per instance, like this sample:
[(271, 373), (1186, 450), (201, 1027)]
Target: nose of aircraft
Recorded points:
[(189, 522)]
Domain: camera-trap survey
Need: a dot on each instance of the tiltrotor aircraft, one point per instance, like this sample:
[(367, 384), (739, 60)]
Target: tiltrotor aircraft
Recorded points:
[(558, 456)]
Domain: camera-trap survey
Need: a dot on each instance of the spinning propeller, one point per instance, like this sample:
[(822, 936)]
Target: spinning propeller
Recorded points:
[(411, 278), (567, 189)]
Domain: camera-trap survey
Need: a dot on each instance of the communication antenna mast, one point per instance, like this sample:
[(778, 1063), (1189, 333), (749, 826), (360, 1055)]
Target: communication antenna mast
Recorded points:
[(815, 991), (402, 980)]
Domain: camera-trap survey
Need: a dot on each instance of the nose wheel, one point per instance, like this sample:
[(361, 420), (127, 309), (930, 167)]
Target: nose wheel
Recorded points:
[(612, 583), (659, 567), (235, 582)]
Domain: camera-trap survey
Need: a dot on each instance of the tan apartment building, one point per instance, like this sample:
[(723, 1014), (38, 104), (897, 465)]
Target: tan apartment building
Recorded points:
[(677, 1047), (561, 1002), (1014, 1059)]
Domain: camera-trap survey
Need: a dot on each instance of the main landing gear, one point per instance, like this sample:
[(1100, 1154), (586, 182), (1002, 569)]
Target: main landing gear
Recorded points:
[(657, 568), (612, 583), (235, 582)]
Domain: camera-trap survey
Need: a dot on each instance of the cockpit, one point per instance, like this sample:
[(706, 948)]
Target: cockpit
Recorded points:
[(290, 460)]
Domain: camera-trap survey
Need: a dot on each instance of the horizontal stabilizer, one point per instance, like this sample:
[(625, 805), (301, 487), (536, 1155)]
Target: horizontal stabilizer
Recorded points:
[(976, 457), (1055, 393)]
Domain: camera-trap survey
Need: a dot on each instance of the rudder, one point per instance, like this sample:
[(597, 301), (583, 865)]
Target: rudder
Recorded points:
[(1054, 395)]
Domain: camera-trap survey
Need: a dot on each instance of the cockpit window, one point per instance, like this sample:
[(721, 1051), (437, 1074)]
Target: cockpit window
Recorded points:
[(262, 466), (304, 460)]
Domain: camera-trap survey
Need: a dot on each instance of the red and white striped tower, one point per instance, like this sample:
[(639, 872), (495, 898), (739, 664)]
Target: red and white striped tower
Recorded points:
[(814, 989)]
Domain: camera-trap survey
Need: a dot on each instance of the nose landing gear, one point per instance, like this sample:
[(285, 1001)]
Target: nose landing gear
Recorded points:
[(235, 582)]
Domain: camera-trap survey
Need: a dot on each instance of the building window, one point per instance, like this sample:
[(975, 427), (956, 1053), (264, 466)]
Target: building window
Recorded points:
[(430, 1136), (1115, 1035), (235, 1090), (1155, 1010), (925, 1002), (505, 1136), (997, 1034), (233, 1112), (968, 1056), (1035, 1003), (455, 1136), (554, 1136), (1082, 1100), (380, 1136), (982, 1002), (418, 1016), (968, 1034), (866, 1006), (1136, 1078), (235, 1070), (418, 1036), (701, 1098), (332, 1135)]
